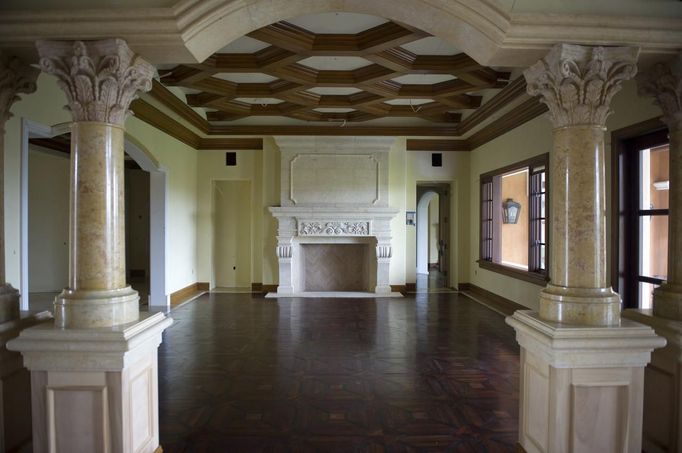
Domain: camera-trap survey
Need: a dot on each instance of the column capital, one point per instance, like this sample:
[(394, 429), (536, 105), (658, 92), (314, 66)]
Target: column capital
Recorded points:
[(100, 78), (663, 81), (15, 77), (578, 82)]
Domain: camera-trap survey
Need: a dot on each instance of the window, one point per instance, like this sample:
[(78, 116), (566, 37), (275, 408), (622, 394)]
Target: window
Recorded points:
[(642, 190), (514, 220)]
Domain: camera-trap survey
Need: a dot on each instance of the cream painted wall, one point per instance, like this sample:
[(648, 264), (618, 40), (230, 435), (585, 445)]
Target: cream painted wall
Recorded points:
[(397, 174), (251, 166), (531, 139), (46, 106), (48, 220), (232, 234), (455, 170), (271, 197)]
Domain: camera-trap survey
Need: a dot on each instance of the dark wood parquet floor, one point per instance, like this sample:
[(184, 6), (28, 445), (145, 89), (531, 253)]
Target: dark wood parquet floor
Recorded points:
[(426, 373)]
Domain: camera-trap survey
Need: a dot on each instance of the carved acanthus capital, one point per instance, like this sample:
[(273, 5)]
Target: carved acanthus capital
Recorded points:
[(100, 78), (578, 82), (15, 77), (664, 82)]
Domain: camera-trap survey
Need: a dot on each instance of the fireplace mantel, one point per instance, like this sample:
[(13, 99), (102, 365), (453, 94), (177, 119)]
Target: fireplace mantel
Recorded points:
[(334, 191)]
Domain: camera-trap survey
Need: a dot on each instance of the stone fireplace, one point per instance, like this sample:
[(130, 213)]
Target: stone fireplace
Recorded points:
[(334, 230)]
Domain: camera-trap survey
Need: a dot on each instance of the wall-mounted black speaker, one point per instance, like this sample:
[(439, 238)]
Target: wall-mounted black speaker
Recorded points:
[(436, 159), (231, 159)]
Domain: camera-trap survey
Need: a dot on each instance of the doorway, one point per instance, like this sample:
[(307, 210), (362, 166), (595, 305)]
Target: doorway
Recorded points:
[(232, 235), (433, 236), (642, 192)]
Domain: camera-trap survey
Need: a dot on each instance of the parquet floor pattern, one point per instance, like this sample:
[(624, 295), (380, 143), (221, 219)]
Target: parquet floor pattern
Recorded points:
[(427, 373)]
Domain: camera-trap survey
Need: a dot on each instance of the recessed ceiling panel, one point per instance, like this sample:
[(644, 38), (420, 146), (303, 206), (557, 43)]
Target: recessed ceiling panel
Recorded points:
[(259, 101), (334, 91), (333, 110), (245, 77), (335, 63), (337, 23), (244, 45), (430, 46), (423, 79), (408, 101)]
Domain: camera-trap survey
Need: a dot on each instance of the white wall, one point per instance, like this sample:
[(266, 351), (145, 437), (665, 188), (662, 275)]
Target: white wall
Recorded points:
[(48, 220)]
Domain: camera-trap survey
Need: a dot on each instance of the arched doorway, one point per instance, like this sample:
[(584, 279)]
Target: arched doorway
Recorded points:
[(152, 248), (433, 235)]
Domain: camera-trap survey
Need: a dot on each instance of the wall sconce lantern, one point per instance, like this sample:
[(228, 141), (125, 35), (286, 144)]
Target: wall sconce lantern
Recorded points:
[(510, 211)]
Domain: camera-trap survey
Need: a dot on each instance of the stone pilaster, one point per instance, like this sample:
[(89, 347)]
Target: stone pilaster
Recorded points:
[(100, 79), (582, 370), (663, 377), (16, 77), (577, 84)]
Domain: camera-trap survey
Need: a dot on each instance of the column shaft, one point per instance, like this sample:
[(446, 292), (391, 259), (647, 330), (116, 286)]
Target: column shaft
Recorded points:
[(97, 224)]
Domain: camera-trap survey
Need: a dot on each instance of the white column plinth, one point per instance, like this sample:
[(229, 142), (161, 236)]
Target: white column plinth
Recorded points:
[(581, 387), (662, 385), (94, 389), (15, 386)]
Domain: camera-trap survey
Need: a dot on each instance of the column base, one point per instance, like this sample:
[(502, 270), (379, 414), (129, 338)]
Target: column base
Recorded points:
[(581, 388), (94, 389), (668, 301), (83, 309), (662, 385), (580, 306), (15, 386), (9, 303)]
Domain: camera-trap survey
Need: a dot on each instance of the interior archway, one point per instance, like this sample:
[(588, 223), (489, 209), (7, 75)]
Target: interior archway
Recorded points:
[(423, 231)]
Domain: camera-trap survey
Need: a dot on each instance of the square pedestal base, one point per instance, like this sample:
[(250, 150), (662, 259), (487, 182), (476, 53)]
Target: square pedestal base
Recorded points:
[(581, 388), (94, 389), (15, 385), (662, 386)]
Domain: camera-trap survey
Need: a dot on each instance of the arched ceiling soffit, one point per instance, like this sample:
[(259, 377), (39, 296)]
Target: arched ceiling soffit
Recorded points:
[(493, 32)]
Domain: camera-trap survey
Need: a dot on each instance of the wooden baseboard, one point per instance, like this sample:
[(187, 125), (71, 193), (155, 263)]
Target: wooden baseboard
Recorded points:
[(269, 288), (188, 291), (256, 287), (402, 289), (491, 300), (410, 287)]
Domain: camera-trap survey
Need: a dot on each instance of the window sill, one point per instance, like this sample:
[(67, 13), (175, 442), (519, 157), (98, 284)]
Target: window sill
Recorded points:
[(530, 277)]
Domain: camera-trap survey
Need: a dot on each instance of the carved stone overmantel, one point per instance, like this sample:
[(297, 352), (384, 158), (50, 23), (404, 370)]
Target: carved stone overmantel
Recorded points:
[(100, 78), (334, 190), (578, 82), (663, 82)]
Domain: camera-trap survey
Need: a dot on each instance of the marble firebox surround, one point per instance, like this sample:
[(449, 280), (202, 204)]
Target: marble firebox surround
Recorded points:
[(334, 190)]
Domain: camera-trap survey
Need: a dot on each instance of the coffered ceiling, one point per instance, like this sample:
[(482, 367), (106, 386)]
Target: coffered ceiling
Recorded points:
[(337, 69)]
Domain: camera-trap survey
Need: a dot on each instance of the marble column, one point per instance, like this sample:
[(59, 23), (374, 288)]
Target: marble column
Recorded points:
[(582, 369), (663, 377), (94, 379), (15, 77), (100, 79)]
